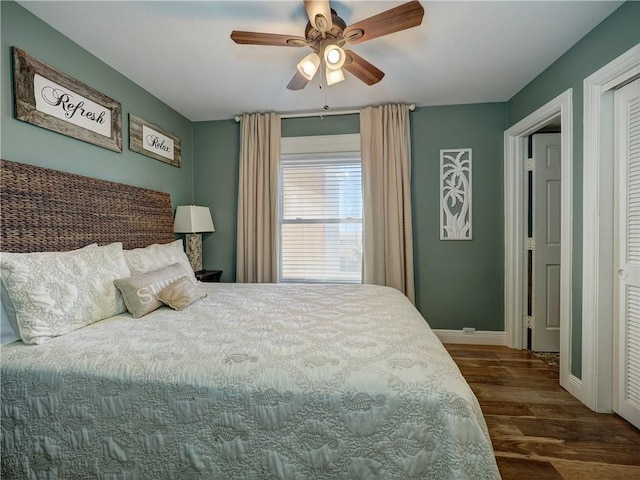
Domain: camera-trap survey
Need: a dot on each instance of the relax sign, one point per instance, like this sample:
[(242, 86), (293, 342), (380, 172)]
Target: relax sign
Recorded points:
[(149, 139), (157, 143)]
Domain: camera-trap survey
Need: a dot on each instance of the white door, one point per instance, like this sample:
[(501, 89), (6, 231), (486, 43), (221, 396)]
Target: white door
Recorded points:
[(545, 327), (626, 375)]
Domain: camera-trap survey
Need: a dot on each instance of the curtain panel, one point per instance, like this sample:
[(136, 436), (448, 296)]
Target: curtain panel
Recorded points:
[(257, 250), (386, 186)]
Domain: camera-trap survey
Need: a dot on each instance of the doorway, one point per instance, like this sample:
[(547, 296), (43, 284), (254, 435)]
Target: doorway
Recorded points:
[(626, 310), (598, 196), (516, 293), (543, 195)]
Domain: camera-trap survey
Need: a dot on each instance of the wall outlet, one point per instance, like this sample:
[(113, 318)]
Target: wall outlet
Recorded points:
[(468, 331)]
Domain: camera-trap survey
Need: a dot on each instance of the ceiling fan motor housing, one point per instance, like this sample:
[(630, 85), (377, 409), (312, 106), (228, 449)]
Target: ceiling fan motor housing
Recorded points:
[(334, 36)]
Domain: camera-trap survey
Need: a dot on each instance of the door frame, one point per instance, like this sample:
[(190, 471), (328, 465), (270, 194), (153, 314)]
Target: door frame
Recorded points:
[(515, 234), (598, 201)]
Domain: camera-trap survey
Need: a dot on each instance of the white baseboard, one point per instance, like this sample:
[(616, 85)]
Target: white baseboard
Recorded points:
[(475, 338)]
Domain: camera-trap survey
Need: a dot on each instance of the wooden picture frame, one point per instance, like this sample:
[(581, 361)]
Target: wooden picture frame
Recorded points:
[(151, 140), (48, 98)]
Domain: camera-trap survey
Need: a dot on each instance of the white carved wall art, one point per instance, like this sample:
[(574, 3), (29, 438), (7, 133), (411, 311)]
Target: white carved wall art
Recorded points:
[(455, 194)]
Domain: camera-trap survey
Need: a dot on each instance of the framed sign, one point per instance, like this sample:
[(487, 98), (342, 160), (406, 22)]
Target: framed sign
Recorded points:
[(455, 194), (150, 140), (48, 98)]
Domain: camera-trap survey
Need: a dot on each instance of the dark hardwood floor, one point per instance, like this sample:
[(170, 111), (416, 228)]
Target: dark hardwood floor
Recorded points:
[(538, 430)]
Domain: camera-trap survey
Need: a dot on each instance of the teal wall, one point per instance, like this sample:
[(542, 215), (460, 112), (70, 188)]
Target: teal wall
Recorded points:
[(458, 283), (23, 142), (217, 149), (614, 36), (328, 125)]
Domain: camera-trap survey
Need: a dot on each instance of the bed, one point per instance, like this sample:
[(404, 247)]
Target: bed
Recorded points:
[(248, 381)]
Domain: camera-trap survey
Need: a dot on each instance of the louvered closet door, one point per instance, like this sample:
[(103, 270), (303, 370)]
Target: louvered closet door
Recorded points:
[(627, 315)]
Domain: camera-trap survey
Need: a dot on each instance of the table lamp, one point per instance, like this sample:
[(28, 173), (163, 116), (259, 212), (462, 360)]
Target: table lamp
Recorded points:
[(193, 220)]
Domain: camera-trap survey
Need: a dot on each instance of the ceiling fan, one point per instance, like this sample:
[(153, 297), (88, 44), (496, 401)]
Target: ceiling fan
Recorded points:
[(326, 33)]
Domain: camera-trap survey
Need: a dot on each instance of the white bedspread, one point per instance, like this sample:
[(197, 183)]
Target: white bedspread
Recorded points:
[(252, 382)]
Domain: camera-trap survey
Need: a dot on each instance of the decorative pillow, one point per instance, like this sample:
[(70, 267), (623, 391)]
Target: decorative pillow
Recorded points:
[(139, 292), (181, 294), (158, 255), (53, 293)]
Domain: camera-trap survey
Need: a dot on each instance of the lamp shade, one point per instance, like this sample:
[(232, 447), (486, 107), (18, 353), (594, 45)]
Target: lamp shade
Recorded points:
[(193, 219), (334, 76), (309, 65)]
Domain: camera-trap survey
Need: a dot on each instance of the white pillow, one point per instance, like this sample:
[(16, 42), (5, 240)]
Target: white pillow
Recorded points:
[(158, 255), (53, 293), (8, 323)]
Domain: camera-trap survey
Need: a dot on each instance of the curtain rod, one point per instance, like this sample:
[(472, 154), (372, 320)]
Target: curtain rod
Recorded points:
[(412, 107)]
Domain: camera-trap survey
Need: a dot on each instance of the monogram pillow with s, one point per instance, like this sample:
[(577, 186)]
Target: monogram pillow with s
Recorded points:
[(140, 291)]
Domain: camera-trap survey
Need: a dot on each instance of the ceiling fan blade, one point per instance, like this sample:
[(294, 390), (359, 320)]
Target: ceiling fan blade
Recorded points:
[(255, 38), (298, 82), (405, 16), (319, 12), (358, 66)]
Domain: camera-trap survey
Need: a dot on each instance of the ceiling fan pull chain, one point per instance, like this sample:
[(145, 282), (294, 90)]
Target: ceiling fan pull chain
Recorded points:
[(321, 86)]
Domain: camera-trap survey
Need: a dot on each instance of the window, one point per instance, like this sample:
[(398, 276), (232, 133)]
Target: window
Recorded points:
[(321, 216)]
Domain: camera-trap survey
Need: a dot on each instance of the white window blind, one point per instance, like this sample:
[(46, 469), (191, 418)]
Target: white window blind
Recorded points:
[(321, 218)]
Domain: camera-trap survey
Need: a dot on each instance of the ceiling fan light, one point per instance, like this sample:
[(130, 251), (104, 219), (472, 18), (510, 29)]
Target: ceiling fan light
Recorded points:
[(334, 57), (334, 76), (308, 66)]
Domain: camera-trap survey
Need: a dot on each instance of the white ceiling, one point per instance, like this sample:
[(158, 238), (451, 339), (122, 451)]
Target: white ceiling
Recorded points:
[(180, 51)]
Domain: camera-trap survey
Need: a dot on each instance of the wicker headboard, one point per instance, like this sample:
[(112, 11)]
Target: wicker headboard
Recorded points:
[(48, 210)]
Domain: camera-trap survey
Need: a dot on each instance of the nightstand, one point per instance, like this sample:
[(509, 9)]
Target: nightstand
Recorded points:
[(208, 275)]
